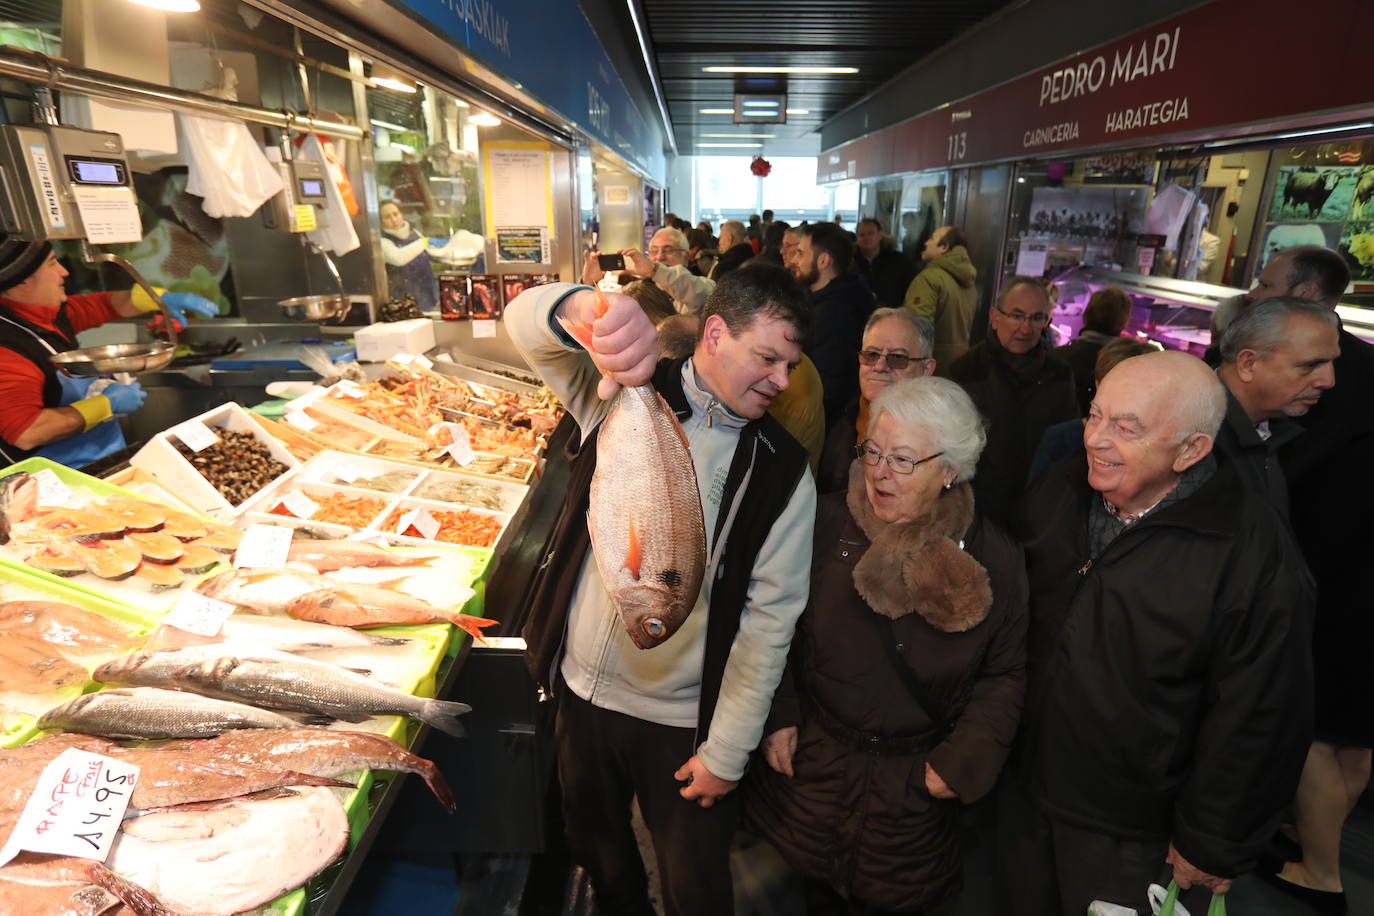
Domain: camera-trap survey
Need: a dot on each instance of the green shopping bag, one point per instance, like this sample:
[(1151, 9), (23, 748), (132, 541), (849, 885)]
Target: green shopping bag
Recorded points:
[(1216, 908)]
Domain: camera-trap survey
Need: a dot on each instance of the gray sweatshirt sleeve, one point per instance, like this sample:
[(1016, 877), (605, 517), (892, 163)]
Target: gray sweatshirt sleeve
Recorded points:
[(684, 286), (560, 361), (778, 591)]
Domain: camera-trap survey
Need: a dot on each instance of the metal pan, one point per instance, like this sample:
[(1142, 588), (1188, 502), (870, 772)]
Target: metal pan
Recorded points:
[(134, 358)]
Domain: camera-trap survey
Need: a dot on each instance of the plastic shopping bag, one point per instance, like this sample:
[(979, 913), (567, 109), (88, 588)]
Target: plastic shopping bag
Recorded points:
[(1163, 902)]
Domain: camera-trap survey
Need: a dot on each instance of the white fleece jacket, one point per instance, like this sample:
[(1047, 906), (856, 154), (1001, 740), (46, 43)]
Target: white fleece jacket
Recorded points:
[(663, 685)]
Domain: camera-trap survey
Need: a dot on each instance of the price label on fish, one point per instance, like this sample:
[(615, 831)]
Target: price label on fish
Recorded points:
[(461, 447), (421, 521), (51, 490), (76, 807), (299, 505), (264, 546), (195, 434), (301, 420), (347, 473), (348, 389), (195, 613)]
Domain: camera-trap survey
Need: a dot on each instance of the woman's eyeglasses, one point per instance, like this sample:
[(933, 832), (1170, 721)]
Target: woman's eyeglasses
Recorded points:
[(900, 464)]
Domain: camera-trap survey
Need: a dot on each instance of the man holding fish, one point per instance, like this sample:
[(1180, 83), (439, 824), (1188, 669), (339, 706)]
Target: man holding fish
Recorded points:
[(664, 641)]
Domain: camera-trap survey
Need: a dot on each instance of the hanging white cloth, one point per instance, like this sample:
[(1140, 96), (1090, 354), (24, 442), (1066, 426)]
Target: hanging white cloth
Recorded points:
[(227, 168)]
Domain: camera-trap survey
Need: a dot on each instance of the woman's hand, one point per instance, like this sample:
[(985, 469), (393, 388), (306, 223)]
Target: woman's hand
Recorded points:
[(778, 749), (591, 269), (936, 786)]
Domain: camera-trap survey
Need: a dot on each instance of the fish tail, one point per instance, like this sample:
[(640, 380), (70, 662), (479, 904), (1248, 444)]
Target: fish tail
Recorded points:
[(473, 625), (443, 715), (581, 331), (136, 898)]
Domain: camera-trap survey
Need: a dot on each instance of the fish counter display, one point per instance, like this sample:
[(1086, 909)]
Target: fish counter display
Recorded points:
[(256, 626)]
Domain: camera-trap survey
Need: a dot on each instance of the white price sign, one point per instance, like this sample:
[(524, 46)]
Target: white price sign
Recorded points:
[(348, 389), (484, 327), (195, 434), (264, 546), (403, 359), (301, 420), (299, 505), (195, 613), (51, 490), (424, 362), (461, 448), (76, 807), (347, 473), (421, 521)]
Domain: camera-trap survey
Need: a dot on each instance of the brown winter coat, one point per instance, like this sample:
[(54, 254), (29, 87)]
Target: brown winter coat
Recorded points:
[(863, 820)]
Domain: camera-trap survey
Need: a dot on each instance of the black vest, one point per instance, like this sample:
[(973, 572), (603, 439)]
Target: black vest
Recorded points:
[(779, 461), (20, 335)]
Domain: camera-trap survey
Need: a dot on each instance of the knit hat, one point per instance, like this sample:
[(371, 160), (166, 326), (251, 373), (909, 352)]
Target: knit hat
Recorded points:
[(19, 259)]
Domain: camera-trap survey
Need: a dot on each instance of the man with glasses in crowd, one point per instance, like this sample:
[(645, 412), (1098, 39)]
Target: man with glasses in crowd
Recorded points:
[(897, 344), (1020, 387), (665, 267)]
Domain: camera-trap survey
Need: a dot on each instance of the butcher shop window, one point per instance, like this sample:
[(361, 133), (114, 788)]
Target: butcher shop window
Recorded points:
[(1323, 194)]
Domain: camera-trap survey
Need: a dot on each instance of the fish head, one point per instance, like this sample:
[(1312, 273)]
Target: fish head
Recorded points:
[(650, 615), (116, 670)]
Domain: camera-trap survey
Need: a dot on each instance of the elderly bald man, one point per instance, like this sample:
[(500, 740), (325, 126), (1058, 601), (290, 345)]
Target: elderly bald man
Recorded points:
[(1168, 707)]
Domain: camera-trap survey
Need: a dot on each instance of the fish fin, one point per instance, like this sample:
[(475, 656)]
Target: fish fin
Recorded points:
[(677, 424), (365, 672), (473, 625), (394, 584), (443, 715), (634, 556), (315, 721)]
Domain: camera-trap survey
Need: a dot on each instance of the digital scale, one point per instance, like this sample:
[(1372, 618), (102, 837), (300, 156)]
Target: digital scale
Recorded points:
[(301, 204), (61, 182)]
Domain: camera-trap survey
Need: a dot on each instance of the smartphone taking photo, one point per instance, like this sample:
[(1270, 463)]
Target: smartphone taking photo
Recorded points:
[(609, 262)]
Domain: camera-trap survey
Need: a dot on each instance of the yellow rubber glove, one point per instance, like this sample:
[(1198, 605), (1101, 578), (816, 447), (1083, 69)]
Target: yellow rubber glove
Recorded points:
[(93, 410)]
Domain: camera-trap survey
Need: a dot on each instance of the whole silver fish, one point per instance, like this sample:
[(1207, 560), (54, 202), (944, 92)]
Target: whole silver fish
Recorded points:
[(150, 712), (645, 517), (277, 680), (326, 556)]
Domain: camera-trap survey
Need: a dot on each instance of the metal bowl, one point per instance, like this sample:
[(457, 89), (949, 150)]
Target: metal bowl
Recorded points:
[(315, 308), (134, 358)]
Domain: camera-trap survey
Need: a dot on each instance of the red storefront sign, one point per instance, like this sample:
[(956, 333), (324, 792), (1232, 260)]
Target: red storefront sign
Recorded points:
[(1213, 72)]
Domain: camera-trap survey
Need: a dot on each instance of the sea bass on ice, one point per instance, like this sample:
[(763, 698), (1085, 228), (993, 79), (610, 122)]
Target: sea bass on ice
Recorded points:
[(277, 680), (644, 517), (152, 712)]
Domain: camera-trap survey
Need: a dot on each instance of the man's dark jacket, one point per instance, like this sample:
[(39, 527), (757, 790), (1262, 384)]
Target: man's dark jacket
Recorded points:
[(888, 275), (1170, 677), (1019, 402), (770, 459), (731, 258), (1256, 459), (839, 311)]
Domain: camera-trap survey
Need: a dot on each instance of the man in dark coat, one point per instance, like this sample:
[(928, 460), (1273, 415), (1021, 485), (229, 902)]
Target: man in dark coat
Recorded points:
[(888, 271), (734, 248), (1020, 387), (1168, 708), (841, 303), (1104, 318), (1276, 360)]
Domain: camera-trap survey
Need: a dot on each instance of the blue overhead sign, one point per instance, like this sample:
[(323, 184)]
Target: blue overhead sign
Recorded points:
[(550, 51)]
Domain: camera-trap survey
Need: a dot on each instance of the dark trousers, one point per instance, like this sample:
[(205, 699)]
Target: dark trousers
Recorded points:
[(605, 759), (1048, 867), (823, 900)]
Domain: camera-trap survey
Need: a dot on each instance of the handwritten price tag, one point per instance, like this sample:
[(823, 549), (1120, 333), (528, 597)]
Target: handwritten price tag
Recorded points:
[(51, 490), (76, 807), (421, 521), (424, 362), (195, 434), (347, 473), (301, 420), (461, 448), (299, 505), (198, 614), (264, 546)]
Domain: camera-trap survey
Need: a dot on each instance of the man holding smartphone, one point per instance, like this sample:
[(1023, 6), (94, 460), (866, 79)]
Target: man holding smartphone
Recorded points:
[(664, 265)]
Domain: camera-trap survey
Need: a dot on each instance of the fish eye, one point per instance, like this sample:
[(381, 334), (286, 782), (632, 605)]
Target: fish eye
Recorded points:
[(654, 627)]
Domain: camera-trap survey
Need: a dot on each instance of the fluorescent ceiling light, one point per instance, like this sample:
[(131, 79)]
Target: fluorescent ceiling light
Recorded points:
[(780, 69), (389, 126), (484, 119), (760, 103), (170, 6), (733, 136), (798, 111), (759, 113), (729, 145), (718, 111)]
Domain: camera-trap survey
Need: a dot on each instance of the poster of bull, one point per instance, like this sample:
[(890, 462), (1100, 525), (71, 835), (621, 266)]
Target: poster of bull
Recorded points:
[(1357, 247), (1321, 194), (1278, 236)]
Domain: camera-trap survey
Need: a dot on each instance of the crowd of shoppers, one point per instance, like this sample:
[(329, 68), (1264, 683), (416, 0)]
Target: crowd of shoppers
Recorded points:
[(1082, 588)]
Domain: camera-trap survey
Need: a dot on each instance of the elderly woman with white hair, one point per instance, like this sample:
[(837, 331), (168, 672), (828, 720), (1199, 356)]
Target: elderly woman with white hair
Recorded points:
[(906, 676)]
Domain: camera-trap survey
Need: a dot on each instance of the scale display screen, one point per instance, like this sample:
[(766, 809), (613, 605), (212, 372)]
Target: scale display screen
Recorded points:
[(96, 171), (312, 187)]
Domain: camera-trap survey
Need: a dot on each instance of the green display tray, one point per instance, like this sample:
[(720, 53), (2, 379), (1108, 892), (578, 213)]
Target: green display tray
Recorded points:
[(153, 603)]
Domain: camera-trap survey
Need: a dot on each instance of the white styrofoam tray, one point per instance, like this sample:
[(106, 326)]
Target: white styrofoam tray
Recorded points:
[(326, 466), (163, 461)]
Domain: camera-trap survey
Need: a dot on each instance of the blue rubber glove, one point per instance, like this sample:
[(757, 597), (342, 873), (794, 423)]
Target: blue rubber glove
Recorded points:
[(437, 242), (181, 303), (125, 399)]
